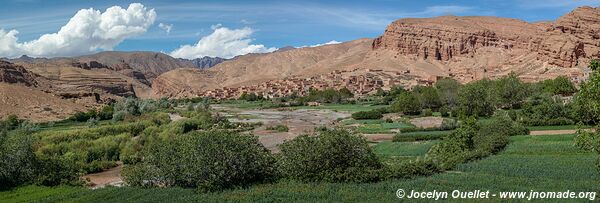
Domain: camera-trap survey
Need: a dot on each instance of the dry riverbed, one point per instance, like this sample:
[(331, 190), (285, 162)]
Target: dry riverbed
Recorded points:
[(298, 121)]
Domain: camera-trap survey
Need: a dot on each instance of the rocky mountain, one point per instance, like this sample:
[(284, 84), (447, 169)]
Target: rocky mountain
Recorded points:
[(25, 94), (150, 64), (465, 48), (205, 62)]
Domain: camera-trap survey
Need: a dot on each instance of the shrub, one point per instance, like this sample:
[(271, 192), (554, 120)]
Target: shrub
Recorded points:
[(427, 112), (279, 128), (415, 138), (208, 161), (445, 111), (362, 115), (454, 148), (17, 159), (331, 156)]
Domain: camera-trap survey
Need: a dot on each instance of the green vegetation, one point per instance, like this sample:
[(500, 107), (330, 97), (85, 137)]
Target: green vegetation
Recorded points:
[(541, 162), (420, 136), (198, 160), (365, 115), (332, 156), (407, 103), (250, 97), (279, 128), (328, 96), (401, 151), (558, 86)]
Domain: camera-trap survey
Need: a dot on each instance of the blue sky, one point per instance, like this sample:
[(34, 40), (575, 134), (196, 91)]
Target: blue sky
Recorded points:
[(273, 23)]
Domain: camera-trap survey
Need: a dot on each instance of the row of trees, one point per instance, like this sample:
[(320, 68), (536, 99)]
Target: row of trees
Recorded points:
[(479, 98)]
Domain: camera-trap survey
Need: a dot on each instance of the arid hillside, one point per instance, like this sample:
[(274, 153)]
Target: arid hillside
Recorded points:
[(465, 48)]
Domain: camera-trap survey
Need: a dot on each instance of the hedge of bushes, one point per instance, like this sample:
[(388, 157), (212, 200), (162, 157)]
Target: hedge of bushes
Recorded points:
[(418, 137), (474, 141), (364, 115)]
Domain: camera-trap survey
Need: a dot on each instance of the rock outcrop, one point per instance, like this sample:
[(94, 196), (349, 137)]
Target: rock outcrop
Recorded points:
[(567, 42), (205, 62), (11, 73)]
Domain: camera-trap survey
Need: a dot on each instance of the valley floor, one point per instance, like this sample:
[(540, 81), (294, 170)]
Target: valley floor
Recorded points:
[(539, 163)]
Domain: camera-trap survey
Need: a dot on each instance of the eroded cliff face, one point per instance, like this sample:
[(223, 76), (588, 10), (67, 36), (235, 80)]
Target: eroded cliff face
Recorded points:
[(11, 73), (573, 39), (568, 42), (444, 38)]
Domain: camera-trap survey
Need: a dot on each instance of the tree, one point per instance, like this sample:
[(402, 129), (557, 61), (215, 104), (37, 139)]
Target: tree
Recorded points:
[(448, 91), (407, 103), (477, 99), (586, 105), (511, 91), (558, 86), (429, 97)]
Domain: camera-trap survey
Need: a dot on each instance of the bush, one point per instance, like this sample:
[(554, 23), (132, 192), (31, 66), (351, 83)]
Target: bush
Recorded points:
[(454, 148), (328, 96), (427, 112), (331, 156), (363, 115), (17, 159), (415, 138), (279, 128), (208, 161), (445, 111)]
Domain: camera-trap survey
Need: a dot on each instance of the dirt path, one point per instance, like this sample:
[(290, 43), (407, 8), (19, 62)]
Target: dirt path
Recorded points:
[(109, 177), (552, 132)]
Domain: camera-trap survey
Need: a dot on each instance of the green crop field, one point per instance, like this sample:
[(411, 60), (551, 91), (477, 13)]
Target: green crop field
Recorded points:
[(396, 151), (541, 163)]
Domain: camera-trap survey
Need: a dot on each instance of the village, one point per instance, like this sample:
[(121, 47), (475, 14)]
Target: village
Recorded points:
[(359, 82)]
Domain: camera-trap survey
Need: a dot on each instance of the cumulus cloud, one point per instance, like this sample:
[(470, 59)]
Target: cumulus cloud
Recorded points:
[(224, 43), (166, 27), (88, 31)]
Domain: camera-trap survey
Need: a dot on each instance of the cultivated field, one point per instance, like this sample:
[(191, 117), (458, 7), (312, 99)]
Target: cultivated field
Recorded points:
[(542, 163)]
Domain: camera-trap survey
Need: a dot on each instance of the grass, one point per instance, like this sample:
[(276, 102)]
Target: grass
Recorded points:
[(540, 163), (397, 151), (69, 125)]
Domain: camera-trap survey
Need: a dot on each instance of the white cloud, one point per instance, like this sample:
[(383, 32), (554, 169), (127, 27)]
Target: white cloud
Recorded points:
[(318, 45), (166, 27), (88, 31), (224, 43)]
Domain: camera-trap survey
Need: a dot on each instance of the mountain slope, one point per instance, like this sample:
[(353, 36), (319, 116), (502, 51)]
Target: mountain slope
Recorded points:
[(465, 48)]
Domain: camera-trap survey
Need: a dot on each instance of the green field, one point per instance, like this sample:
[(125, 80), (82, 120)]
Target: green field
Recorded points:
[(397, 151), (541, 163)]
